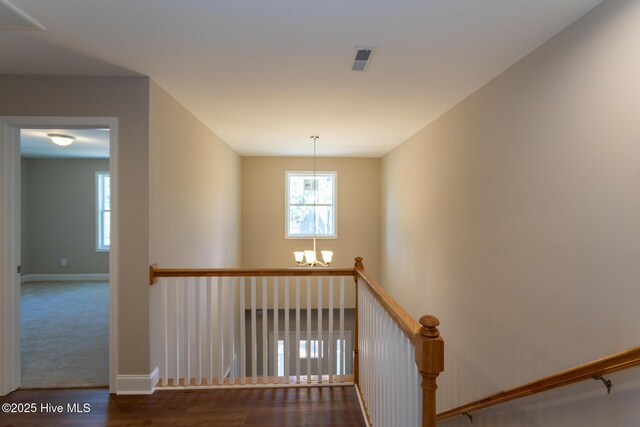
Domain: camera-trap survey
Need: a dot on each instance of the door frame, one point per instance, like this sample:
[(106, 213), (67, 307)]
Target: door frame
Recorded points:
[(10, 239)]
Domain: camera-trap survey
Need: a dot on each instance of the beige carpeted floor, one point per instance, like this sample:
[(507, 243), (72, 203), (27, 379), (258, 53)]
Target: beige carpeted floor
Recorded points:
[(64, 334)]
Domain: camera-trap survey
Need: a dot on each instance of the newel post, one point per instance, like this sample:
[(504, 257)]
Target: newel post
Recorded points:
[(430, 361), (356, 360)]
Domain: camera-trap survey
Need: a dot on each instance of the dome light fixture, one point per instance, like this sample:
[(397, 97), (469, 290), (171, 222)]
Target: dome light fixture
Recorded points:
[(61, 140)]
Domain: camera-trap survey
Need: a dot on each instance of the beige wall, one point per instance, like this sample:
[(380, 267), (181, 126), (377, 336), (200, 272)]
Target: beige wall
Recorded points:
[(263, 212), (59, 216), (514, 219), (194, 197), (195, 191), (127, 99)]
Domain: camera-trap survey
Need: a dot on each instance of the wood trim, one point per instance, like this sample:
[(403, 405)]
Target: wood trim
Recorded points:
[(405, 322), (430, 362), (152, 274), (612, 363), (155, 273)]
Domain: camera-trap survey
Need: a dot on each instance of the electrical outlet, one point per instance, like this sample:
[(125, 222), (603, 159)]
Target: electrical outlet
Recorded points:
[(63, 261)]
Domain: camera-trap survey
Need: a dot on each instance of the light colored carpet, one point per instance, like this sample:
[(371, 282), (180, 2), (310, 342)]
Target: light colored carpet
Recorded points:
[(64, 334)]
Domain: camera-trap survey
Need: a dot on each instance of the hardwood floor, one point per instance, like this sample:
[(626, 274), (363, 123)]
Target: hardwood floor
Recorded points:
[(314, 406)]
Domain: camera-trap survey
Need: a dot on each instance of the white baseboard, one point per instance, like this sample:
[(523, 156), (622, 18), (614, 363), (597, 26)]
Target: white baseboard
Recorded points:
[(137, 384), (363, 407), (64, 277)]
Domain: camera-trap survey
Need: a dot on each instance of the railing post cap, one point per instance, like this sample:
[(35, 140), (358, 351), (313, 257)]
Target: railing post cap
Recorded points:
[(429, 326), (359, 265)]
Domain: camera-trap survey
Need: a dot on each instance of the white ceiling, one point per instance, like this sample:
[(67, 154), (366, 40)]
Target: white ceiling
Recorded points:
[(265, 75), (89, 143)]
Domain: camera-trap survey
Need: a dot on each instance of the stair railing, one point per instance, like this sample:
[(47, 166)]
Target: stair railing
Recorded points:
[(224, 328)]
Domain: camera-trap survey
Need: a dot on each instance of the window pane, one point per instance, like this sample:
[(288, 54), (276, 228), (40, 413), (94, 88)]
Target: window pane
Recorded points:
[(325, 190), (295, 189), (324, 221), (106, 229), (103, 210), (106, 192), (301, 220), (280, 358), (339, 361), (302, 189), (303, 350), (314, 349)]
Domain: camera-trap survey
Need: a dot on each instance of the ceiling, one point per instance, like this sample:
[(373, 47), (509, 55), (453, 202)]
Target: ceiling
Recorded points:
[(88, 144), (265, 75)]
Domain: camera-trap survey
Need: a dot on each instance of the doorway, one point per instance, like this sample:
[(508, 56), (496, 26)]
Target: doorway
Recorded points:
[(10, 259), (65, 238)]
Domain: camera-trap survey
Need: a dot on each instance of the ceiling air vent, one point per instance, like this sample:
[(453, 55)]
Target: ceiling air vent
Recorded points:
[(13, 19), (362, 57)]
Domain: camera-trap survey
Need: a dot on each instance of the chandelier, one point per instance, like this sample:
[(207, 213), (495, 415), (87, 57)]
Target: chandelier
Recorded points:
[(309, 258)]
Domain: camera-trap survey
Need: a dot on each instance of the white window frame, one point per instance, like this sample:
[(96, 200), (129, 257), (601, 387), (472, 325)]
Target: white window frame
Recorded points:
[(287, 233), (100, 246)]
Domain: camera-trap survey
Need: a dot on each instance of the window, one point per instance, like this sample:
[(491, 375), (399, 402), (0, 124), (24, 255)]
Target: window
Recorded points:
[(339, 362), (103, 211), (297, 353), (301, 198), (314, 349)]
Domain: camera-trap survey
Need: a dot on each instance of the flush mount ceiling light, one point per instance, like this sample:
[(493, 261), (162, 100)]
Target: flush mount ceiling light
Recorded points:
[(61, 140)]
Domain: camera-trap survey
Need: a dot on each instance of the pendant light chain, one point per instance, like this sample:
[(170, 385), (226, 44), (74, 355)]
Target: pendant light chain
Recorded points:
[(315, 191)]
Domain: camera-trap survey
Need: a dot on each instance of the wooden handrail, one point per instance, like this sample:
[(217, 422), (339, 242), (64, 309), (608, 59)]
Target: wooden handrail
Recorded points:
[(424, 335), (405, 322), (615, 362), (155, 272)]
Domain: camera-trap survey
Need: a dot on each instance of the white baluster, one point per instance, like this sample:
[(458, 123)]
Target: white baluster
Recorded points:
[(165, 330), (187, 330), (231, 328), (210, 328), (330, 346), (254, 345), (176, 378), (198, 337), (342, 341), (308, 320), (297, 343), (265, 318), (275, 330), (320, 346), (220, 324), (243, 336), (287, 344)]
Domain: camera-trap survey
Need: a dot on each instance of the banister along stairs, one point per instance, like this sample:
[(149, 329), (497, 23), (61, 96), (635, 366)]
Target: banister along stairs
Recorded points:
[(395, 362)]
